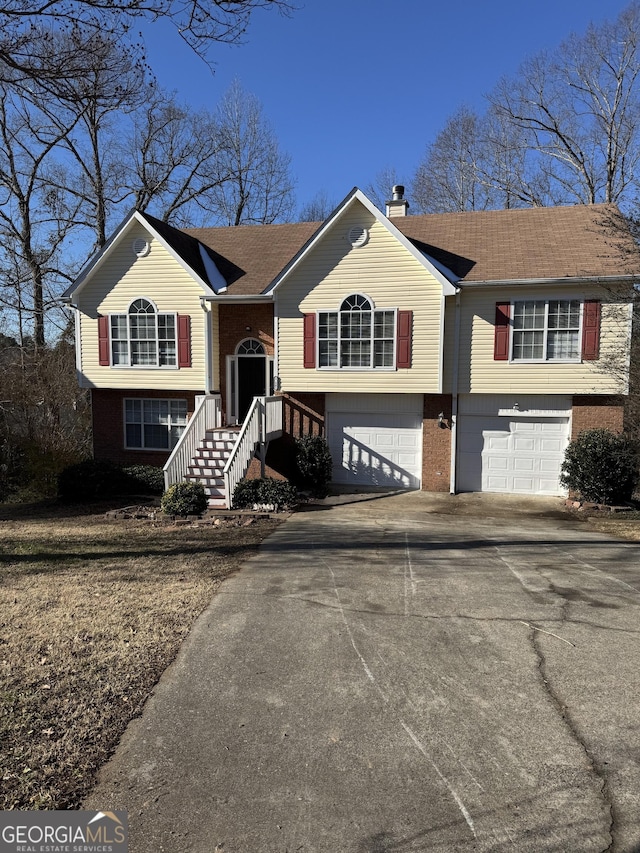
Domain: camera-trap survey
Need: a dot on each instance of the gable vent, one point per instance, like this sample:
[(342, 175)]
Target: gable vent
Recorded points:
[(140, 247), (358, 236)]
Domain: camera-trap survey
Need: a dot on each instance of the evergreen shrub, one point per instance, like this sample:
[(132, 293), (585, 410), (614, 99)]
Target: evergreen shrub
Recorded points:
[(314, 464), (600, 466), (266, 492), (184, 499)]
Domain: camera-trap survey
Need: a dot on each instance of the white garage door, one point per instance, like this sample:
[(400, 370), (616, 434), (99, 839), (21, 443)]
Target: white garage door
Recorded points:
[(519, 455), (376, 448)]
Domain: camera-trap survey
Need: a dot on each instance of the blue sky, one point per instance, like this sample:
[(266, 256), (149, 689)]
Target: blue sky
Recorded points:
[(354, 86)]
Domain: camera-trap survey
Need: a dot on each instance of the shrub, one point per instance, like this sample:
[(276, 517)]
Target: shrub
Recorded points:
[(314, 464), (91, 479), (600, 466), (267, 492), (12, 468), (184, 499), (145, 479)]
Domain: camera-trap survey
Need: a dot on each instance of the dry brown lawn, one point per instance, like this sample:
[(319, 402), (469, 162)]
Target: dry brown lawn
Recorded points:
[(623, 527), (91, 613)]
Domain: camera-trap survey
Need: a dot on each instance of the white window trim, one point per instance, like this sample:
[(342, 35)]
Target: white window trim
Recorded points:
[(577, 360), (359, 369), (142, 400), (157, 313)]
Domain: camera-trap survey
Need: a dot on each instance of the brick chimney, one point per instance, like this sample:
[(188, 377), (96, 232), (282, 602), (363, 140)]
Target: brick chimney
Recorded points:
[(398, 205)]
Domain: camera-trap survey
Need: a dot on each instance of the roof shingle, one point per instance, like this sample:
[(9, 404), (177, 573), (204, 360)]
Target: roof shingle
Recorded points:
[(583, 241)]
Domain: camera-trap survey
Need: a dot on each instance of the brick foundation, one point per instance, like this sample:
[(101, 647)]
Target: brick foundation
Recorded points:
[(108, 425), (436, 443), (591, 412), (302, 414)]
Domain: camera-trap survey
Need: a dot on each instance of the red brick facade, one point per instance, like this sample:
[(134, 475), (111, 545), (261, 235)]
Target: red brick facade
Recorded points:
[(236, 323), (592, 412), (436, 443), (108, 425)]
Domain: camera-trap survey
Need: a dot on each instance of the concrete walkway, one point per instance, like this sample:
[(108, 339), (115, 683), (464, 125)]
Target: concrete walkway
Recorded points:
[(400, 673)]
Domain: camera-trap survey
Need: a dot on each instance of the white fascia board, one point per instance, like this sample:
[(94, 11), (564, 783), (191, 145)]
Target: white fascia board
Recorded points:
[(522, 282), (444, 276), (96, 261), (240, 299)]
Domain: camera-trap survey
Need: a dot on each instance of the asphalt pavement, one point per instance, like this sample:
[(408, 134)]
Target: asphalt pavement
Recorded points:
[(400, 673)]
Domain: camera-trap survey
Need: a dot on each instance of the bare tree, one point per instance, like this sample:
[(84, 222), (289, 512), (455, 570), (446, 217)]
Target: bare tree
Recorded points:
[(379, 189), (28, 28), (255, 183), (31, 228), (174, 156), (449, 176), (91, 183), (579, 110), (317, 209)]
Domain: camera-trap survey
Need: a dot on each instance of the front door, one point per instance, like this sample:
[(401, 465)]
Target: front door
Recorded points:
[(249, 375), (252, 382)]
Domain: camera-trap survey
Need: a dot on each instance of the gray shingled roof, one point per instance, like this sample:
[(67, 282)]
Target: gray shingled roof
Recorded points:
[(584, 241)]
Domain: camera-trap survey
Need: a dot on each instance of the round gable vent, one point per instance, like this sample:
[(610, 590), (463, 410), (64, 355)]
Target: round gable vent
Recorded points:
[(358, 236), (141, 247)]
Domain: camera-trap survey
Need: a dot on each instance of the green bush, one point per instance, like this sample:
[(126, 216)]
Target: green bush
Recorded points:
[(600, 466), (91, 480), (144, 479), (184, 499), (314, 464), (267, 492)]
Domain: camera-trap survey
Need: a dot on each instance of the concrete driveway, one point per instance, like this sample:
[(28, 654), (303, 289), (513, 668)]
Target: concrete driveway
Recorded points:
[(396, 674)]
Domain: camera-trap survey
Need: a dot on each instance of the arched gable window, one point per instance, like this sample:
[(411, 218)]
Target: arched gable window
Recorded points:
[(143, 337), (357, 335)]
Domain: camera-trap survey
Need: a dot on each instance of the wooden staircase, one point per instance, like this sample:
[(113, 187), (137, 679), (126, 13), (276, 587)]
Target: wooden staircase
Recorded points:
[(207, 465)]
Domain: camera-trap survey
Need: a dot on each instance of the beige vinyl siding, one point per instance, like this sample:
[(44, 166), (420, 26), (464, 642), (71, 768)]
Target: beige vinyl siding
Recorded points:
[(479, 373), (122, 278), (384, 271)]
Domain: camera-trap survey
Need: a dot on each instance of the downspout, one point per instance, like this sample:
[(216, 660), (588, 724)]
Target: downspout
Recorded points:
[(208, 347), (276, 341), (454, 396)]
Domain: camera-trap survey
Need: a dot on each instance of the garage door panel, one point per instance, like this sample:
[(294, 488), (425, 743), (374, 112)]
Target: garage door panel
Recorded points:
[(497, 463), (519, 455), (376, 448)]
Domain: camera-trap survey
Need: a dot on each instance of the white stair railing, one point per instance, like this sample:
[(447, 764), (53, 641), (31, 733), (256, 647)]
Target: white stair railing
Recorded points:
[(263, 422), (207, 415)]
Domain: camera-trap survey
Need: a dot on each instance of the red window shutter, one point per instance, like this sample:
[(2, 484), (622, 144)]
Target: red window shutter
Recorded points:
[(501, 331), (184, 340), (309, 340), (591, 330), (103, 342), (403, 340)]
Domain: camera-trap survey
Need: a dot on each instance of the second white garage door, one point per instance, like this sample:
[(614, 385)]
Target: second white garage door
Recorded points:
[(519, 455), (376, 448)]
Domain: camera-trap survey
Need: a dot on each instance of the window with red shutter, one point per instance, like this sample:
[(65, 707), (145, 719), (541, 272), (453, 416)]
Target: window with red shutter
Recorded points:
[(404, 339), (184, 340), (103, 342), (501, 331), (309, 343), (591, 330)]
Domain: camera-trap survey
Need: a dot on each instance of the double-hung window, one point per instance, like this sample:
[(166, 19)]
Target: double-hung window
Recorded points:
[(546, 331), (153, 424), (356, 336), (143, 337)]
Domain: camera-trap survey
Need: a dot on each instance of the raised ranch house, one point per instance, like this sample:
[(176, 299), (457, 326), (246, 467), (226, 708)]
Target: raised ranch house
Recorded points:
[(453, 352)]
